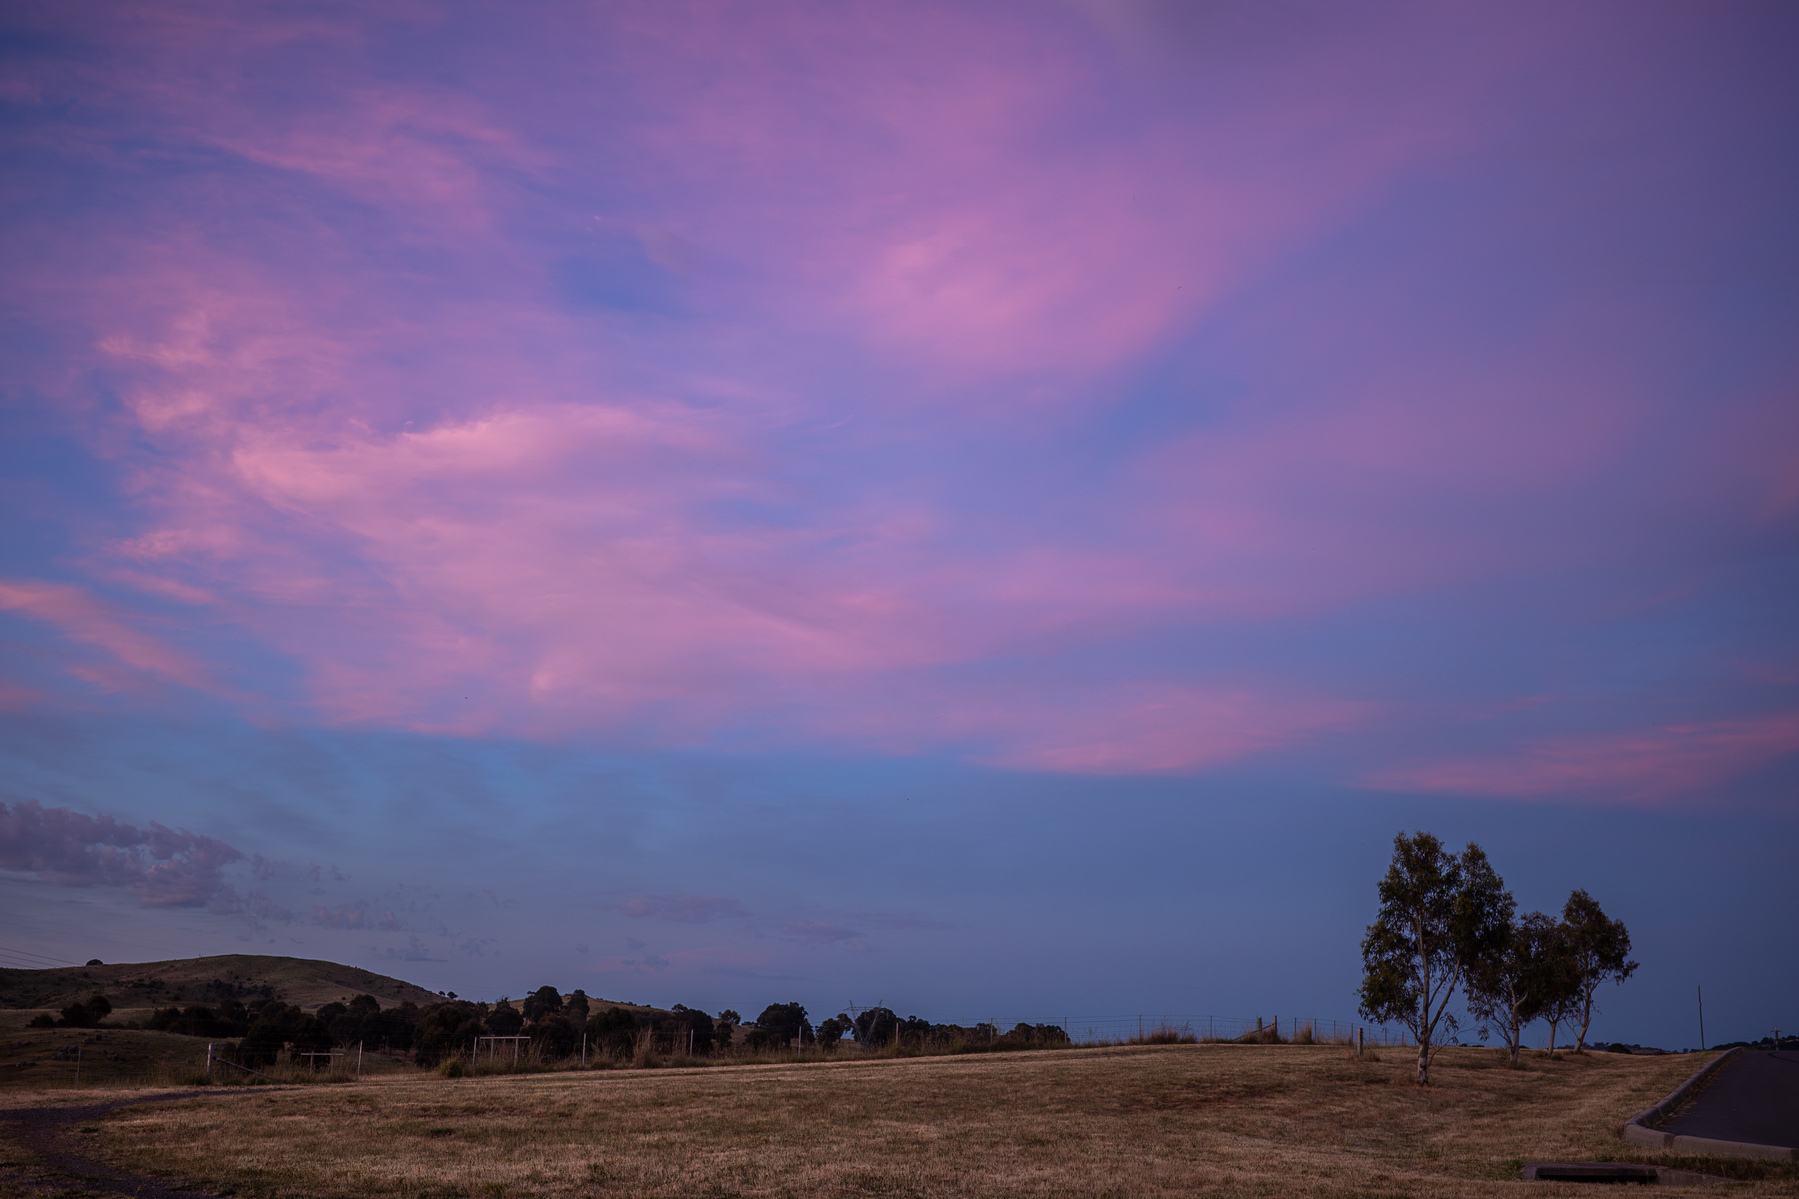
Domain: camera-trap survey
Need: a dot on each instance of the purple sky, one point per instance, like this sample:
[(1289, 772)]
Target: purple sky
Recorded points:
[(992, 508)]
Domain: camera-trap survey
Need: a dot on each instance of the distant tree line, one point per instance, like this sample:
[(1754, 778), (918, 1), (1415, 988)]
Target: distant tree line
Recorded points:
[(556, 1026), (1447, 924)]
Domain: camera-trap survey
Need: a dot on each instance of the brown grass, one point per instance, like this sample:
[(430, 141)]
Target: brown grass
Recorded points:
[(183, 981), (1119, 1121)]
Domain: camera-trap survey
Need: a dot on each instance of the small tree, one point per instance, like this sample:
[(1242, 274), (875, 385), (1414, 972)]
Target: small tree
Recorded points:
[(1561, 981), (504, 1020), (1440, 913), (832, 1030), (876, 1026), (1509, 989), (541, 1002), (614, 1029), (1600, 949), (785, 1022)]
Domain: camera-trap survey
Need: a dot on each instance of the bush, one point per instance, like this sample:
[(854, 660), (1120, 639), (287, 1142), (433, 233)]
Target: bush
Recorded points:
[(613, 1031), (552, 1036), (447, 1029), (86, 1015)]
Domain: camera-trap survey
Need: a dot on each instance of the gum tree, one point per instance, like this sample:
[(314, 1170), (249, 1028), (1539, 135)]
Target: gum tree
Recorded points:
[(1509, 989), (1599, 948), (1440, 914)]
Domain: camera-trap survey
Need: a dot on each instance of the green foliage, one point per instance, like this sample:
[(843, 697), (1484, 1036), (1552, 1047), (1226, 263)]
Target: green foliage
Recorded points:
[(229, 1019), (876, 1026), (785, 1023), (1440, 913), (1598, 949), (446, 1030), (613, 1030), (541, 1002), (504, 1020), (279, 1025), (699, 1024), (364, 1021), (553, 1035), (1510, 988), (86, 1015), (833, 1030)]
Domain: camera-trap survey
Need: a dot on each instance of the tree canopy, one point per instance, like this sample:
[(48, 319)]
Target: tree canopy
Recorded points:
[(1440, 913)]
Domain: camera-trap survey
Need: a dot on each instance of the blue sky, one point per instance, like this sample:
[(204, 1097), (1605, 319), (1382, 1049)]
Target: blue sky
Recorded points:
[(1000, 509)]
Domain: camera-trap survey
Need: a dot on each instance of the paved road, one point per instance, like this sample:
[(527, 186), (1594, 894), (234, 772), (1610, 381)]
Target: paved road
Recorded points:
[(1754, 1098)]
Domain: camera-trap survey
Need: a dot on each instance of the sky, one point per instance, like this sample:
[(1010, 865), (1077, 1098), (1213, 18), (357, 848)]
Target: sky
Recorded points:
[(1003, 510)]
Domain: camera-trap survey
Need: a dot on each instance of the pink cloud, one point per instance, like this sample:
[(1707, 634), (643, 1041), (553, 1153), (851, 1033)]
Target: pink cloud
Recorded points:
[(1147, 728), (684, 909), (831, 466), (1647, 766), (86, 620)]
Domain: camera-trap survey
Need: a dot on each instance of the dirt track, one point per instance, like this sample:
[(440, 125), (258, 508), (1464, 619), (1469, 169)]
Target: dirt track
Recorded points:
[(64, 1168)]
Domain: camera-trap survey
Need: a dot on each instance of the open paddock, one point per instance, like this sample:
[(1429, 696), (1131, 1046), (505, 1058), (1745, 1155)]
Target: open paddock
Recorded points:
[(1158, 1120)]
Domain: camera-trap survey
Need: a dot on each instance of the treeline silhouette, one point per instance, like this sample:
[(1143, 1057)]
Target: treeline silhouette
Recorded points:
[(555, 1027)]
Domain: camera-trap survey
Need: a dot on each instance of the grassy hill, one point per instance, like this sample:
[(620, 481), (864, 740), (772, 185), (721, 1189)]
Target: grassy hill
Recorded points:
[(300, 981)]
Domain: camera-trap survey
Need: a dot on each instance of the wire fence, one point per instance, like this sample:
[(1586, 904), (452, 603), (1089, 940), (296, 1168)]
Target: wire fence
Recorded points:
[(1111, 1030)]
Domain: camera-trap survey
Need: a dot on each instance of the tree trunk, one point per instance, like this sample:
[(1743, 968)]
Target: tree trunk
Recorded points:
[(1514, 1036), (1552, 1024), (1423, 1010), (1586, 1018)]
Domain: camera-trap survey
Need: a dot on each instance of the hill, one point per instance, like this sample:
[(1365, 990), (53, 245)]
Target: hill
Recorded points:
[(300, 981)]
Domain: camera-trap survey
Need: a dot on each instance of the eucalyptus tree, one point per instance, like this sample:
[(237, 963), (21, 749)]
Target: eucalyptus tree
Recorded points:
[(1599, 948), (1508, 990), (1441, 914)]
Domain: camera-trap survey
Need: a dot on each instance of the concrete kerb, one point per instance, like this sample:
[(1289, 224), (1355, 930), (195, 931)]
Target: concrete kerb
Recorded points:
[(1638, 1129)]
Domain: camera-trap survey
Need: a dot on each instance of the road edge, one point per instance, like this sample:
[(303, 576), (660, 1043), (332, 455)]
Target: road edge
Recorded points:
[(1638, 1130)]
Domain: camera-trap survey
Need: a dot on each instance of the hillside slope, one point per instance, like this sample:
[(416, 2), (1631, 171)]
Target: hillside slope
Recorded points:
[(301, 981)]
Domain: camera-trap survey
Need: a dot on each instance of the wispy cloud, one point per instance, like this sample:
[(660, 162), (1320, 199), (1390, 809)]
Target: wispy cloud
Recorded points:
[(683, 909), (1652, 765)]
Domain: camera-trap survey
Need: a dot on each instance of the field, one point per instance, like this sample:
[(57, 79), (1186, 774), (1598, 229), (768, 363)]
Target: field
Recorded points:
[(1121, 1121)]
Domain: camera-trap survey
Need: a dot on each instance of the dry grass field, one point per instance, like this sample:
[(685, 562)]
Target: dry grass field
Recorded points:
[(1120, 1121)]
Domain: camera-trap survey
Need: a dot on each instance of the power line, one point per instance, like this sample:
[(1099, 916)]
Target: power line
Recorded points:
[(27, 954)]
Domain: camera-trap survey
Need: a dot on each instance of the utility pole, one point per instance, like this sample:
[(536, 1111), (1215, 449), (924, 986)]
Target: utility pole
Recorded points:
[(1701, 991)]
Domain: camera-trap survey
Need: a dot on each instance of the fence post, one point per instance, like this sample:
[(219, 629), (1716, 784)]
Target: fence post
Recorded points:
[(209, 1059), (359, 1061)]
